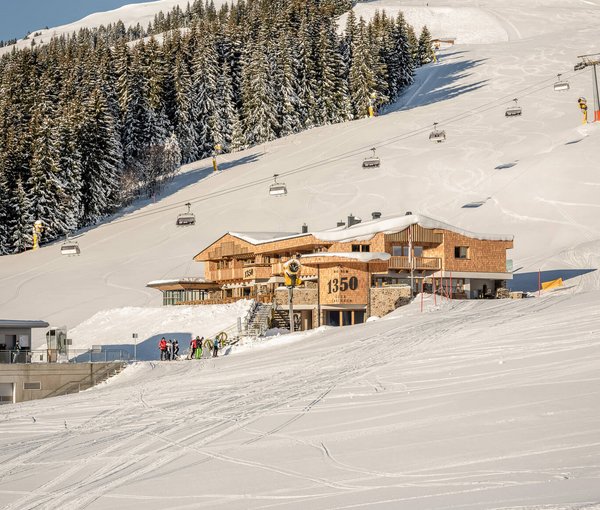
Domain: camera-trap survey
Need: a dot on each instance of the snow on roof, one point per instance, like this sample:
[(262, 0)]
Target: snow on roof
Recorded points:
[(393, 224), (264, 237), (173, 281), (360, 256), (365, 231), (7, 323)]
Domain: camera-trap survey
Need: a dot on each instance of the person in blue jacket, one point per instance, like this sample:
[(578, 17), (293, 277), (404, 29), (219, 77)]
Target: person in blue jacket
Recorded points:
[(215, 347)]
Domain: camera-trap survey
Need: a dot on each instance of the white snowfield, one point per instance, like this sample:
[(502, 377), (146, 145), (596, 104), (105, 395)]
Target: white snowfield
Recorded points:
[(130, 15), (114, 328), (468, 405)]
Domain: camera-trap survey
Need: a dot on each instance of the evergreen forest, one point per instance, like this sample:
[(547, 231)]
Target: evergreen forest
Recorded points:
[(92, 121)]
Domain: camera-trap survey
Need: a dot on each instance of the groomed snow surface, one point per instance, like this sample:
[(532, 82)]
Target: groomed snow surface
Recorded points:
[(468, 405)]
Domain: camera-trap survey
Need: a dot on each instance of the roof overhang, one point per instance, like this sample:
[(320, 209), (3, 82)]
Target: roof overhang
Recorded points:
[(473, 275), (6, 323), (183, 284)]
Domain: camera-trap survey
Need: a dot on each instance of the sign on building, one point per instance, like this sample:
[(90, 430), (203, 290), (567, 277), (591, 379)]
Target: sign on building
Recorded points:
[(343, 286)]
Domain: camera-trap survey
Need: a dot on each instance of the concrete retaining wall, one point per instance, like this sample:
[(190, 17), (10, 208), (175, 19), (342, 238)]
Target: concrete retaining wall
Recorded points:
[(54, 379)]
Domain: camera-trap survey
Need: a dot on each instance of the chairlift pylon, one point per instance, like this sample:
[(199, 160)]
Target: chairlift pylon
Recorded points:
[(561, 85), (69, 247), (514, 111), (372, 161), (277, 189), (187, 218), (437, 135)]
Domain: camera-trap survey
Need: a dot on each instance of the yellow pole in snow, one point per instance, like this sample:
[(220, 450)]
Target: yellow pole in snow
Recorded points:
[(38, 226)]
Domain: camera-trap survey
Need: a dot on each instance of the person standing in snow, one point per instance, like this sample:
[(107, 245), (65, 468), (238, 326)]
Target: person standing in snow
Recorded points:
[(169, 350), (192, 350), (198, 352), (175, 349), (162, 345), (215, 347)]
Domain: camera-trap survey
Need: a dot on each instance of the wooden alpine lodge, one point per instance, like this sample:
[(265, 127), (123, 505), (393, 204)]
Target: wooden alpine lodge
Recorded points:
[(350, 272)]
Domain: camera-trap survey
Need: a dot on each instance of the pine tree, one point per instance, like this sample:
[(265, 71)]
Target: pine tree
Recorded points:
[(44, 185), (22, 222), (204, 94), (425, 48), (101, 159), (362, 76), (259, 111), (402, 49), (184, 128)]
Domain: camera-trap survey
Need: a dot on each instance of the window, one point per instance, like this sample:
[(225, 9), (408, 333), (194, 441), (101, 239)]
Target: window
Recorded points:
[(32, 385), (418, 251), (461, 252), (361, 247)]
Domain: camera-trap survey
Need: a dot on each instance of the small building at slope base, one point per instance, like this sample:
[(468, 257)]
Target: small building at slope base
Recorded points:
[(349, 273)]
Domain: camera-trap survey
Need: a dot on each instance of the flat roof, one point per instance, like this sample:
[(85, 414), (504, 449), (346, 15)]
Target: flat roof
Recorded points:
[(8, 323)]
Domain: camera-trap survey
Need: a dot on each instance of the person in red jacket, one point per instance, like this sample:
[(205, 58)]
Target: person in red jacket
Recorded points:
[(162, 345)]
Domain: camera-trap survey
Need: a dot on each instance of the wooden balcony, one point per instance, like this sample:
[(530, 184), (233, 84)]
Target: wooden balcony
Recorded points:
[(257, 271), (419, 264), (218, 275)]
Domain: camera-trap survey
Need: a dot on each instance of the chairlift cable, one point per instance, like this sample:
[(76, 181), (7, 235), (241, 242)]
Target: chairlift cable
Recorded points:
[(491, 105)]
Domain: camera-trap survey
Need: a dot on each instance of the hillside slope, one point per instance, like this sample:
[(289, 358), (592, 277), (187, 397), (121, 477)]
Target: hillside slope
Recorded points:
[(535, 173)]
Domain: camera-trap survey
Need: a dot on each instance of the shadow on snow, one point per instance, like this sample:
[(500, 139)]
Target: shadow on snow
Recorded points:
[(442, 88), (528, 282)]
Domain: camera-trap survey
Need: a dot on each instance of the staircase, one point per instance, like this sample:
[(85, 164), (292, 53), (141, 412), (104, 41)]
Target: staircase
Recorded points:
[(99, 372), (258, 320), (281, 319)]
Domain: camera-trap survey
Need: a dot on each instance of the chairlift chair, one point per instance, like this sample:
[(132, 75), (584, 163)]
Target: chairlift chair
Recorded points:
[(372, 161), (69, 247), (187, 218), (561, 85), (277, 189), (513, 111), (437, 135)]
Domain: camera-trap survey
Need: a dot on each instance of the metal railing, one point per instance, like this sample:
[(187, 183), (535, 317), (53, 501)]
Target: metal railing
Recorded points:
[(93, 355)]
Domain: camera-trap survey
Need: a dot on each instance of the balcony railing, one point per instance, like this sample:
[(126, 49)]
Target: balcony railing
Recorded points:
[(419, 263)]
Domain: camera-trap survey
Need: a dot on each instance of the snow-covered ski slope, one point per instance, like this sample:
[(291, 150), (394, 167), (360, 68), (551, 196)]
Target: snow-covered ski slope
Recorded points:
[(481, 405), (470, 405), (536, 173)]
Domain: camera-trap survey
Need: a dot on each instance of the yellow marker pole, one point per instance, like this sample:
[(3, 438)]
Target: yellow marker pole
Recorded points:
[(214, 162), (371, 111), (38, 226)]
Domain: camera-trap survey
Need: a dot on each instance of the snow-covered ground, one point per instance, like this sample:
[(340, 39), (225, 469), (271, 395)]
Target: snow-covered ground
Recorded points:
[(478, 405), (115, 327), (470, 405), (130, 15)]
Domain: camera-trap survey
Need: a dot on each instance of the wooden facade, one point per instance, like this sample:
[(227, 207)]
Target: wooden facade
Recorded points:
[(240, 266)]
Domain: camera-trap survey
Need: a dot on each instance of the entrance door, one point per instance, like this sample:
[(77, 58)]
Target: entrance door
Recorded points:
[(7, 393)]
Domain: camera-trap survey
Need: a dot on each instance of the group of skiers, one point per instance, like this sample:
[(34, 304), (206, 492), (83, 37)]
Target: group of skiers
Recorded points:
[(196, 347), (169, 349)]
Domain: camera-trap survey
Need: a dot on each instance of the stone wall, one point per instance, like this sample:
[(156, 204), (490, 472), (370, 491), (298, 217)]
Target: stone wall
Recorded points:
[(386, 299), (302, 296)]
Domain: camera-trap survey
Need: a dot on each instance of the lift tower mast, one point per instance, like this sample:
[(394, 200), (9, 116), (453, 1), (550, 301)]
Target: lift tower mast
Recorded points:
[(592, 60)]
